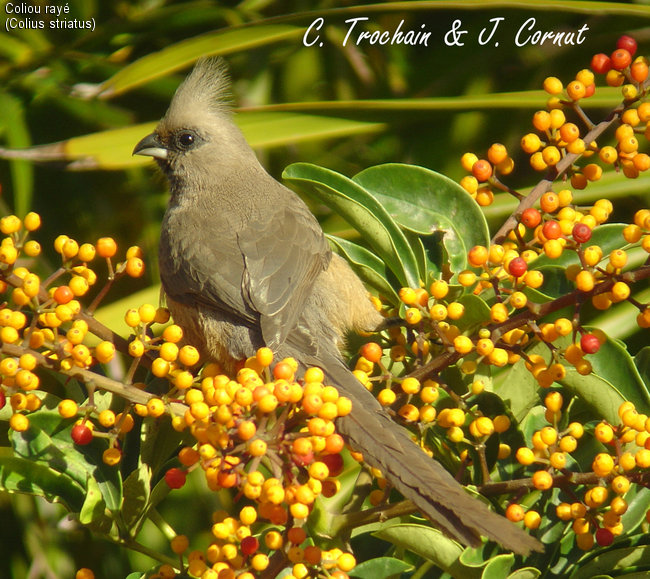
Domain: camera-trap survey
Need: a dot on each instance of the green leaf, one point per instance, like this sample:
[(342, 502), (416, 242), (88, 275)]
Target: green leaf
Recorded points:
[(159, 443), (498, 567), (614, 559), (48, 441), (380, 568), (610, 382), (182, 54), (112, 149), (94, 505), (366, 265), (424, 201), (604, 390), (136, 490), (430, 544), (14, 126), (363, 212), (20, 475), (526, 573), (642, 364), (607, 236), (517, 387), (327, 517), (266, 129), (638, 499)]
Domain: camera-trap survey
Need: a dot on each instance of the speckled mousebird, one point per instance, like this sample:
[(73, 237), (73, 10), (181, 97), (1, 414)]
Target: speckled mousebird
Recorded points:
[(245, 264)]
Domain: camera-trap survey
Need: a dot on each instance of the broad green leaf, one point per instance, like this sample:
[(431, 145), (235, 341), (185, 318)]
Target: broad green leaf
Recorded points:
[(614, 375), (609, 385), (327, 518), (607, 236), (613, 560), (424, 201), (159, 442), (367, 266), (638, 499), (430, 544), (601, 396), (526, 573), (182, 54), (48, 441), (555, 284), (21, 475), (642, 364), (476, 312), (380, 568), (94, 505), (498, 567), (363, 212), (136, 490), (517, 387)]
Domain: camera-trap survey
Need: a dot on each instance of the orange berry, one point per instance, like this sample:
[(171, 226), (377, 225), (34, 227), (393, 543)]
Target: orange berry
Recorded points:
[(482, 170), (106, 247)]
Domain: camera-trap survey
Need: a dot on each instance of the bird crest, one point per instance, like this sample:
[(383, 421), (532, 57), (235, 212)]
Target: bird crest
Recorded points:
[(207, 89)]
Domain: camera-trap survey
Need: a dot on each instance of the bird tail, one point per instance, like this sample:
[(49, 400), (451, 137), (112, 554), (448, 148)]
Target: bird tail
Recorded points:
[(386, 445)]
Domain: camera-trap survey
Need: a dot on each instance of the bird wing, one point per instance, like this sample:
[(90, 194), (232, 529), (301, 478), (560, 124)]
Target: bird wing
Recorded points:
[(204, 268), (260, 271), (283, 252)]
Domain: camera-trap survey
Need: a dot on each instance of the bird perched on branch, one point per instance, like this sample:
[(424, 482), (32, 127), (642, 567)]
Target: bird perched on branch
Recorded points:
[(244, 264)]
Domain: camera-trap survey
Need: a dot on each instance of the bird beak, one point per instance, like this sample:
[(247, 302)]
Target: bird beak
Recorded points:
[(151, 146)]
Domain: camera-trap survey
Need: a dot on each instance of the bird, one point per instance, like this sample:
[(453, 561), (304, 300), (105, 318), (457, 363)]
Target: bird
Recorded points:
[(244, 264)]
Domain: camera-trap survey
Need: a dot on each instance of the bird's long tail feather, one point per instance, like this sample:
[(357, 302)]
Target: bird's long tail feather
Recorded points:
[(386, 445)]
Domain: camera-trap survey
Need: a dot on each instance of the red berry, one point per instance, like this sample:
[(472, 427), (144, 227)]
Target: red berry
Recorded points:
[(482, 170), (590, 89), (551, 229), (3, 399), (531, 217), (283, 371), (589, 343), (601, 63), (621, 59), (175, 478), (628, 43), (303, 459), (334, 463), (249, 545), (604, 537), (63, 295), (517, 266), (372, 352), (81, 434), (581, 232)]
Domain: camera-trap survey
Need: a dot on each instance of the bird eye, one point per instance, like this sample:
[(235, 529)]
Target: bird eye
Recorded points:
[(186, 140)]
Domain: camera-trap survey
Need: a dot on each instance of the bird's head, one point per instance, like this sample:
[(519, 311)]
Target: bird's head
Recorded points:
[(197, 136)]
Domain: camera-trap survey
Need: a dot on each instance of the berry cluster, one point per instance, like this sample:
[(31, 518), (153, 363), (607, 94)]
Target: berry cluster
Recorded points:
[(262, 434), (520, 321), (558, 143), (595, 515), (272, 440), (43, 323)]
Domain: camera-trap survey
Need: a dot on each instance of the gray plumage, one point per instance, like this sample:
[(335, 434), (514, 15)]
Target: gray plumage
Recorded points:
[(245, 264)]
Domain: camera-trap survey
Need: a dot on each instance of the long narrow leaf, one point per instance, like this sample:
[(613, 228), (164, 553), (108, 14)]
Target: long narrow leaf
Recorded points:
[(182, 54)]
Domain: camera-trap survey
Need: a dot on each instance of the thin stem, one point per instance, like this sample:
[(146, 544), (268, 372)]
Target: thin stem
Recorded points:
[(545, 184)]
